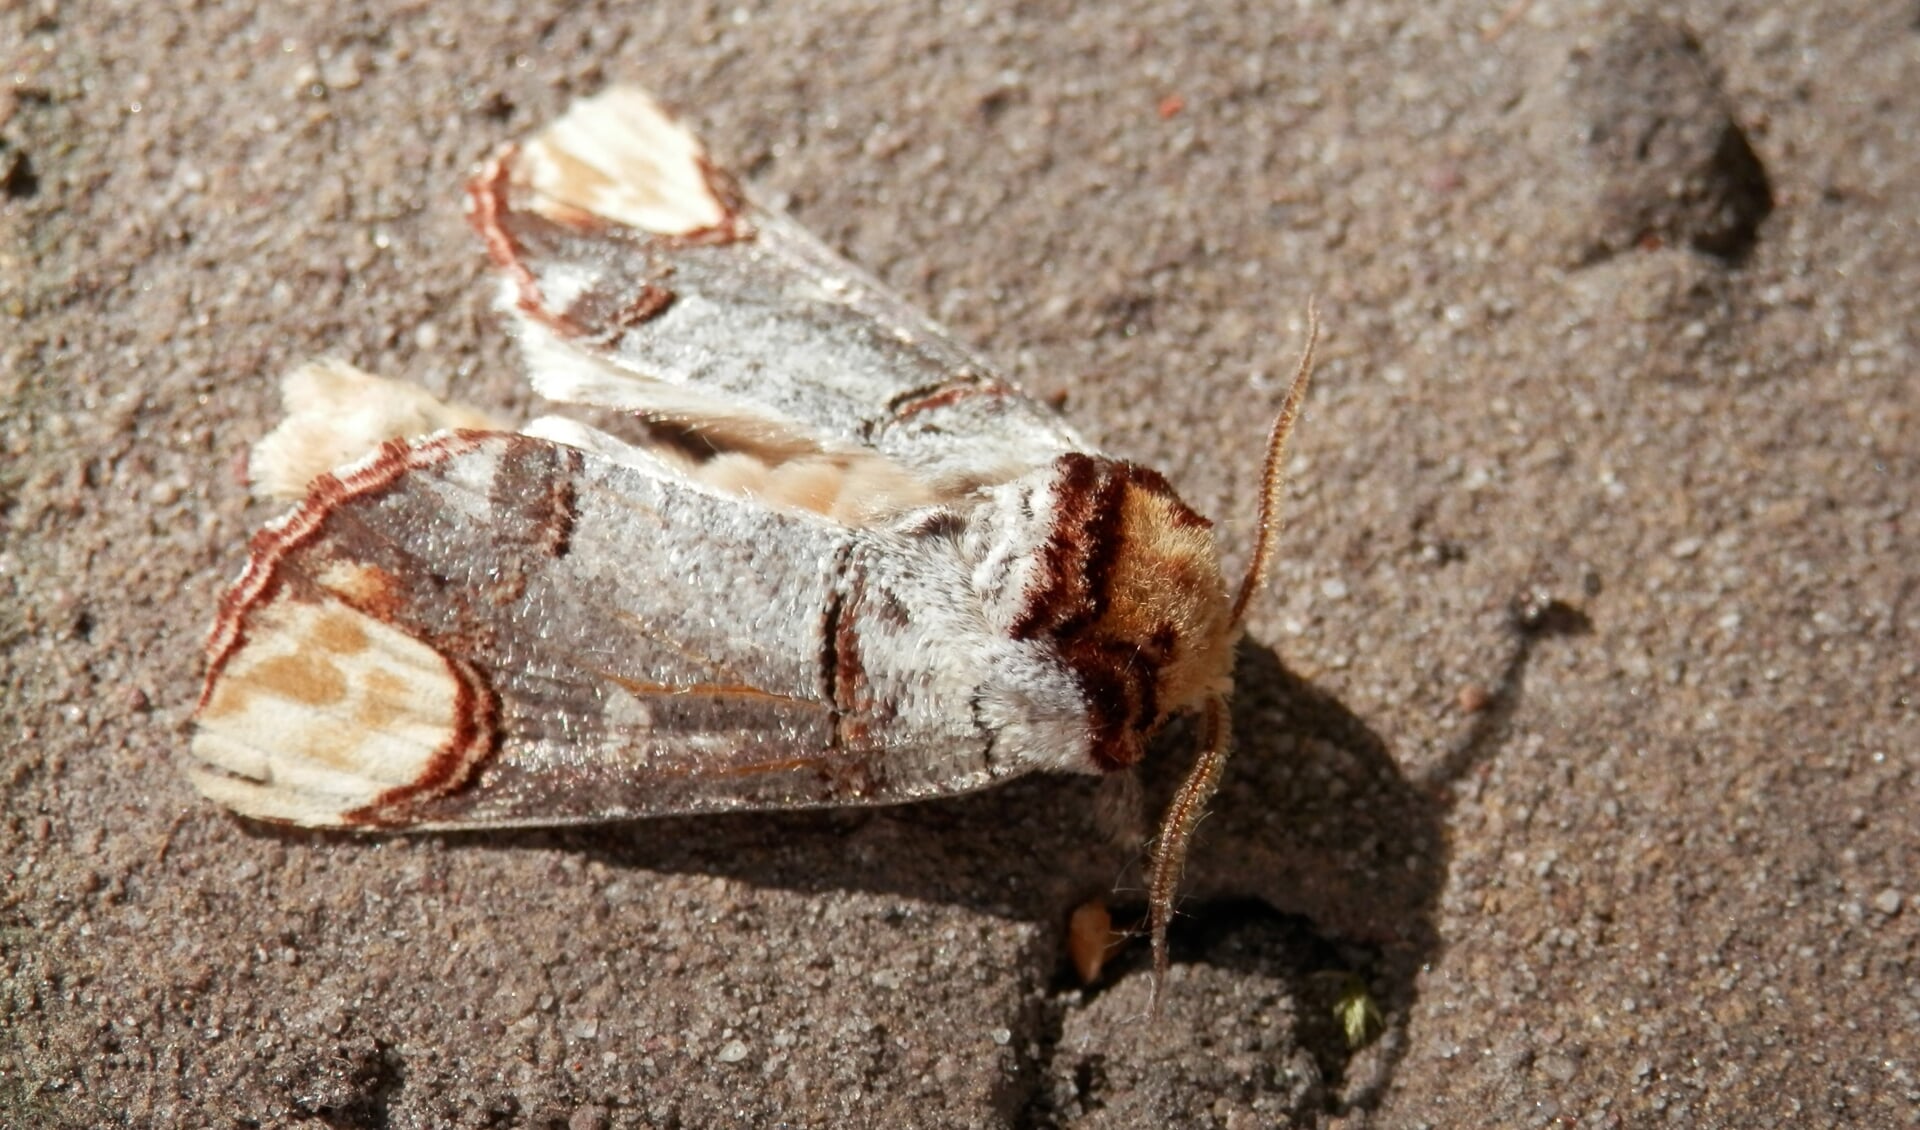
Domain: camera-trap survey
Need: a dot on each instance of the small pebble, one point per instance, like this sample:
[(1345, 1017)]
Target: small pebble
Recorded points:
[(1557, 1067)]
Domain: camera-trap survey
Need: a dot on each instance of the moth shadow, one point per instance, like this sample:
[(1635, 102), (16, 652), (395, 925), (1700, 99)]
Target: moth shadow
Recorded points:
[(1319, 833), (1314, 821), (1014, 852), (1316, 818), (1312, 818)]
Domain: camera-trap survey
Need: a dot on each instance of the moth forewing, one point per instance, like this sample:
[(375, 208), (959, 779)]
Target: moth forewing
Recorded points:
[(490, 628), (807, 550), (750, 321)]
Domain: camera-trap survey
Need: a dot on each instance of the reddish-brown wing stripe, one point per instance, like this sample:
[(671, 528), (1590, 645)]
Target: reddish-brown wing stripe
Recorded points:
[(487, 212), (271, 546), (843, 678), (946, 395), (536, 487)]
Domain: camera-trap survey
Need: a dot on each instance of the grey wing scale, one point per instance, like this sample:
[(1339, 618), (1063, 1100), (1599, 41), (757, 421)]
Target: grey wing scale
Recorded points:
[(490, 629)]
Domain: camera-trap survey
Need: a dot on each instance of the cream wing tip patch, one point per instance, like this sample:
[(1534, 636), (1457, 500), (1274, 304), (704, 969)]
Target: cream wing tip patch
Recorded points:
[(620, 156), (336, 414), (321, 713)]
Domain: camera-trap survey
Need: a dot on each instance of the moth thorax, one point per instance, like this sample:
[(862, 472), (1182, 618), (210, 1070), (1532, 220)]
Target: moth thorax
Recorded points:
[(1124, 580)]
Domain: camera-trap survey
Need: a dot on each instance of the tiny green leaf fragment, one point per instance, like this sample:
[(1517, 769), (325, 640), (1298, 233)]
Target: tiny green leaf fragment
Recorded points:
[(1359, 1016)]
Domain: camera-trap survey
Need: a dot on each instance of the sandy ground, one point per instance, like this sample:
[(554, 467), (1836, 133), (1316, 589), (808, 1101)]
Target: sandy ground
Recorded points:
[(1579, 726)]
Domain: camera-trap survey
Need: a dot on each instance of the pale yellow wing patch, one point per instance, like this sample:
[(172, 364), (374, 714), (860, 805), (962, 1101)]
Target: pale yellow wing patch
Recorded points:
[(336, 414), (853, 489), (322, 713), (620, 157)]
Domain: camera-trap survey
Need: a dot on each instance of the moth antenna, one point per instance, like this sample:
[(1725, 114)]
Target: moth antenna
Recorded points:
[(1190, 802), (1176, 830), (1273, 476)]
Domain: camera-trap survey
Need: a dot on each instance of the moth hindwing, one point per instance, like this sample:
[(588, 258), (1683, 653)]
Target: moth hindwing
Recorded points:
[(789, 545)]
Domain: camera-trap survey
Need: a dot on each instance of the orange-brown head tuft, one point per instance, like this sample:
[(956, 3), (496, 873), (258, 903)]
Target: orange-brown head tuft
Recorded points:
[(1133, 598)]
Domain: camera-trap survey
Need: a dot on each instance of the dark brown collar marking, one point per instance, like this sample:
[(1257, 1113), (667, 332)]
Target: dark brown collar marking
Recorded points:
[(1118, 664)]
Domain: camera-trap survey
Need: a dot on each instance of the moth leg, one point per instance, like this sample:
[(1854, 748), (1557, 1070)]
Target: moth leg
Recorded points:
[(1120, 810)]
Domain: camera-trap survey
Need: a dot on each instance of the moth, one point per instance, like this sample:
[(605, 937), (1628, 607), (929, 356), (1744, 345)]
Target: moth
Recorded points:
[(788, 545)]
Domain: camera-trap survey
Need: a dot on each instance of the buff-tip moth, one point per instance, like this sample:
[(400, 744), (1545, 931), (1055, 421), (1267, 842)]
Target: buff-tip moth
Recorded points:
[(811, 551)]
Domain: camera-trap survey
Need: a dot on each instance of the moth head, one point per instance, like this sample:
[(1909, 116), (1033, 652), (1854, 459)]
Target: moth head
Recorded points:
[(1101, 560)]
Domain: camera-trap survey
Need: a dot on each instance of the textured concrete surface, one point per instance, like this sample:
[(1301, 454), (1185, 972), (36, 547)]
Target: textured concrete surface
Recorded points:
[(1579, 725)]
